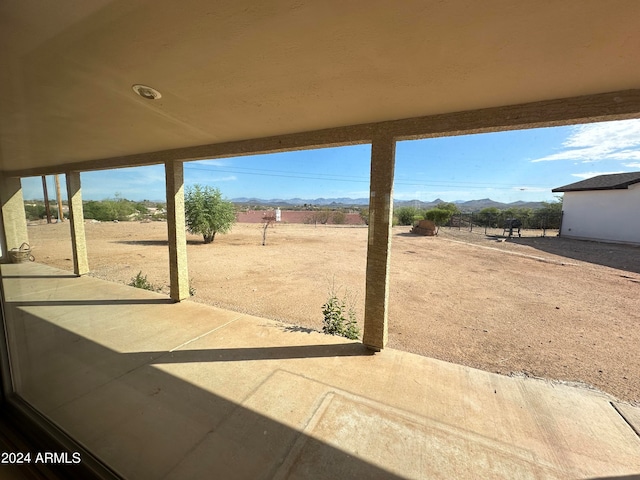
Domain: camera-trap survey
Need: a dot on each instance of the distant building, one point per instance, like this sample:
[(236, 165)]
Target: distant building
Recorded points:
[(605, 208)]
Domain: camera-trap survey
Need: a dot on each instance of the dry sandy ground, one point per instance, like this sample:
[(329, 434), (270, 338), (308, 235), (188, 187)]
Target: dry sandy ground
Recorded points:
[(546, 307)]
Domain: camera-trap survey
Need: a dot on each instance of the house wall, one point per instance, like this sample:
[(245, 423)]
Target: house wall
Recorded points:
[(604, 215)]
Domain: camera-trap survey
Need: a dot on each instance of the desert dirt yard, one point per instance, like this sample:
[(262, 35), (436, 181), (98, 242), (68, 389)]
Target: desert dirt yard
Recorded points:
[(560, 309)]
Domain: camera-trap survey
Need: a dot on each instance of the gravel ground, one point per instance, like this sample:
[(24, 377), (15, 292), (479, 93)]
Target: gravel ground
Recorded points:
[(548, 307)]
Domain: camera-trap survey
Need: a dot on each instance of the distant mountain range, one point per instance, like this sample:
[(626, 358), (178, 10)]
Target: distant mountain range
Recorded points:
[(465, 206)]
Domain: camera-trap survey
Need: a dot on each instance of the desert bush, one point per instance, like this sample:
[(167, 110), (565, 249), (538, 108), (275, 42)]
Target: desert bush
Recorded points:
[(320, 216), (111, 209), (340, 317), (364, 215), (339, 217), (406, 215), (140, 281)]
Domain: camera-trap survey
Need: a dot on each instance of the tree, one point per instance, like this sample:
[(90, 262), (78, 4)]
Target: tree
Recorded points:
[(364, 215), (320, 216), (339, 217), (407, 215), (34, 212), (549, 215), (439, 216), (110, 209), (267, 220), (207, 213), (488, 216)]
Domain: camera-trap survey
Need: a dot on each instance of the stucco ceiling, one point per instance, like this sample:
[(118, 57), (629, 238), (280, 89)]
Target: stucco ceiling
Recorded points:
[(241, 69)]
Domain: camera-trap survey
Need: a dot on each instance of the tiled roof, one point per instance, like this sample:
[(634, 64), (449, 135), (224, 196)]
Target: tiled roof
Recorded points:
[(615, 181)]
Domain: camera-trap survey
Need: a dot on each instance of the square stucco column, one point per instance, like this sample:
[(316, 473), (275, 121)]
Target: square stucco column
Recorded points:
[(13, 215), (76, 220), (379, 248), (178, 271)]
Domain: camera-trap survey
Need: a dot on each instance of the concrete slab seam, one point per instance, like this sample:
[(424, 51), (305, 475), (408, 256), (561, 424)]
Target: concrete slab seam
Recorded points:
[(627, 421), (523, 454), (204, 334)]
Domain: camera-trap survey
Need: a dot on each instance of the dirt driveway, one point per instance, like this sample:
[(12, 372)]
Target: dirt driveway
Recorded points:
[(546, 307)]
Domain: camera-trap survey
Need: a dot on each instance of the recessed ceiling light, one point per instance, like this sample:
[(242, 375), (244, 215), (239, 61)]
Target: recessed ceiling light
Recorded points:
[(147, 92)]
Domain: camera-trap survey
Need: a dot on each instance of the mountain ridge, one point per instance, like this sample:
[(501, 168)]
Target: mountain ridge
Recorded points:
[(463, 205)]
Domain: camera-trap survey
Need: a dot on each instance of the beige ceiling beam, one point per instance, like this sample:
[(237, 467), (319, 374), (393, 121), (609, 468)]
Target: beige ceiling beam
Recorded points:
[(619, 105), (551, 113)]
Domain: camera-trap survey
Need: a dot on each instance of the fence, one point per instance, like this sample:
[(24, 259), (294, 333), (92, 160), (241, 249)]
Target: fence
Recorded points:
[(494, 224)]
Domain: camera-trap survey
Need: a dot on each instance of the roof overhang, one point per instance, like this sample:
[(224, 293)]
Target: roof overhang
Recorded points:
[(233, 71)]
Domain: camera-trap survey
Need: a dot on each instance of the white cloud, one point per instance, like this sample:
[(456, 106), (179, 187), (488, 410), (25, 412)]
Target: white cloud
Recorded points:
[(632, 165), (210, 163), (207, 177), (595, 142), (586, 175), (228, 178)]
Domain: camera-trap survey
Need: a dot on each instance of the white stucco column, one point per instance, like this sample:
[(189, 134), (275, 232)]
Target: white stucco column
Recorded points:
[(14, 223), (178, 271), (76, 221), (379, 247)]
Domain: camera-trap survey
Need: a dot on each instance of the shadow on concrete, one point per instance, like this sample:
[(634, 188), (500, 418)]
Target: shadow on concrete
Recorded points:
[(71, 275), (261, 353), (298, 329), (621, 257), (146, 423), (623, 477), (87, 303), (155, 243)]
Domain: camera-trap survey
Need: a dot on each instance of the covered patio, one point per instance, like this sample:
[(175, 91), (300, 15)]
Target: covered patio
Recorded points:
[(157, 389)]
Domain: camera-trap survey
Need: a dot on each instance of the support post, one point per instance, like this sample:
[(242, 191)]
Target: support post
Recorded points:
[(76, 220), (13, 215), (379, 247), (47, 209), (59, 199), (178, 271)]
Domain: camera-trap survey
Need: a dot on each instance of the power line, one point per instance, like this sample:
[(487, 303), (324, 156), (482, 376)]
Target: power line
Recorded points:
[(359, 179)]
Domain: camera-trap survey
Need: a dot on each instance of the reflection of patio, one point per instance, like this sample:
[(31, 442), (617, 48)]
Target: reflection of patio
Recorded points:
[(161, 390)]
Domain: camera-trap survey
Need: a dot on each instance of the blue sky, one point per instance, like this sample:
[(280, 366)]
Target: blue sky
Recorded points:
[(506, 167)]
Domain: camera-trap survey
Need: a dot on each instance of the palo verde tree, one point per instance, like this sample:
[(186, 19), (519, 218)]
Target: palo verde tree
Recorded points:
[(207, 213), (441, 213)]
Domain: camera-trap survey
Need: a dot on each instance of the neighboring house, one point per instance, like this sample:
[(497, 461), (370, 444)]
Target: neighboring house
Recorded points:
[(605, 208)]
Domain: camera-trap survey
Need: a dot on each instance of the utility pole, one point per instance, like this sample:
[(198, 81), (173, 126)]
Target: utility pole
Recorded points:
[(46, 199), (60, 213)]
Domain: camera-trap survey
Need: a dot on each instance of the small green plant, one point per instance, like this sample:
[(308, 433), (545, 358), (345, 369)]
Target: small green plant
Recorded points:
[(140, 281), (340, 316), (192, 290)]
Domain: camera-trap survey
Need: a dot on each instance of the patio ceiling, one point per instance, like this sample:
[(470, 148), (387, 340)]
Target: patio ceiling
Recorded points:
[(240, 69)]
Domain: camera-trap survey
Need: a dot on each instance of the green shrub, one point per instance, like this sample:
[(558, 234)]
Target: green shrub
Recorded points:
[(339, 318), (439, 216), (339, 217), (406, 215), (364, 215), (140, 281)]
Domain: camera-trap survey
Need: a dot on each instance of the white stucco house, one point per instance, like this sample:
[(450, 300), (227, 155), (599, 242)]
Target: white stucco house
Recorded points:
[(605, 208)]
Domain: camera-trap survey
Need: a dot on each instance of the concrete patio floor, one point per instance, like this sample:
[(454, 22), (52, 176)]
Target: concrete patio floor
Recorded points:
[(159, 390)]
